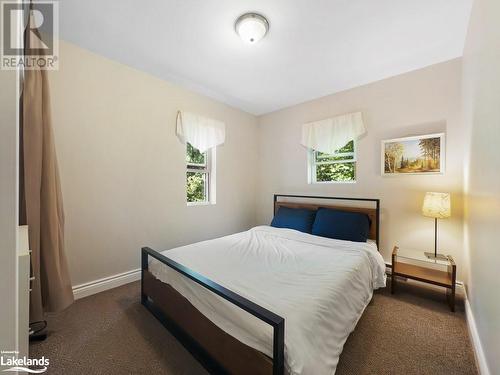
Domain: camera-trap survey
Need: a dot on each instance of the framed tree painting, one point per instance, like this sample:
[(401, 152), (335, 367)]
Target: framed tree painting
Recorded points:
[(422, 154)]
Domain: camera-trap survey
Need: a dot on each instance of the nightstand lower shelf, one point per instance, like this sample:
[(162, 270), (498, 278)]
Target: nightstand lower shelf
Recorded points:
[(427, 271), (426, 275)]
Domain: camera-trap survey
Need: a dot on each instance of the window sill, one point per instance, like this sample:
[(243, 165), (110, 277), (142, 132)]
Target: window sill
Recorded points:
[(331, 182), (190, 204)]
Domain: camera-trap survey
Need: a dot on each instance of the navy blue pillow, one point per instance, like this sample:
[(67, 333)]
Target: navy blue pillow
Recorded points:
[(341, 225), (294, 218)]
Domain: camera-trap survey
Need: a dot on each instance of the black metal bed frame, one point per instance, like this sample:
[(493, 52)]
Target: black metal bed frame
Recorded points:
[(275, 321)]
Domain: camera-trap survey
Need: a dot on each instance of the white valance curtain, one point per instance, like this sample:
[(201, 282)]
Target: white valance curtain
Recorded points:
[(203, 133), (330, 134)]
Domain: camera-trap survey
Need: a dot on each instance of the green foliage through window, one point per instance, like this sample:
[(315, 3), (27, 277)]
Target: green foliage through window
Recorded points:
[(336, 172), (339, 166), (194, 156), (195, 185), (197, 175)]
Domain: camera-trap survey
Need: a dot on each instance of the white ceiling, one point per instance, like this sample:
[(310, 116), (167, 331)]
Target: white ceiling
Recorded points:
[(313, 48)]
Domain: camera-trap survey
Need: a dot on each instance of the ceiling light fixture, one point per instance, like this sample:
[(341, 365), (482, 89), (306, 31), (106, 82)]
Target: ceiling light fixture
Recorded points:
[(251, 27)]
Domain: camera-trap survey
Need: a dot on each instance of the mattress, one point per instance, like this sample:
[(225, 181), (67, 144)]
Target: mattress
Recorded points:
[(320, 287)]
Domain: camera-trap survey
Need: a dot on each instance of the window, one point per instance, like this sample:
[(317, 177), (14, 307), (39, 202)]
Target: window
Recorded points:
[(337, 167), (200, 179)]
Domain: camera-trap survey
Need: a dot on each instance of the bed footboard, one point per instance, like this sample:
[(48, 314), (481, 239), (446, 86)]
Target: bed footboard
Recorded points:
[(276, 322)]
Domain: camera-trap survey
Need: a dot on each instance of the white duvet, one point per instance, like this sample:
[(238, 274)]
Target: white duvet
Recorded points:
[(320, 287)]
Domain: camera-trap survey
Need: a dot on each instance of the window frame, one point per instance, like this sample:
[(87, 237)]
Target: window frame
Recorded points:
[(208, 169), (313, 163)]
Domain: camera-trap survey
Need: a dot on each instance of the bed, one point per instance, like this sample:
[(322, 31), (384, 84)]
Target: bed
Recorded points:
[(227, 300)]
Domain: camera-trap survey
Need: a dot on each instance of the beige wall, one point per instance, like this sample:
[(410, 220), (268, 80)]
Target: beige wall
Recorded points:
[(424, 101), (122, 167), (482, 180)]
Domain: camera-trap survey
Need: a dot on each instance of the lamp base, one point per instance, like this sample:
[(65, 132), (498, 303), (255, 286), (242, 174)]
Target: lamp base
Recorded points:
[(436, 257)]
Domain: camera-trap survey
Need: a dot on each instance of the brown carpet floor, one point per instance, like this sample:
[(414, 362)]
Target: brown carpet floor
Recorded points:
[(411, 332)]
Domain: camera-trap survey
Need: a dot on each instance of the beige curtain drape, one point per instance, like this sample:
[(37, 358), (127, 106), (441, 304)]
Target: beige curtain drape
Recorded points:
[(41, 199)]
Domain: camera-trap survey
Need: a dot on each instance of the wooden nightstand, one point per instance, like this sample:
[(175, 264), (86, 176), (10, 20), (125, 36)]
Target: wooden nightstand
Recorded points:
[(415, 265)]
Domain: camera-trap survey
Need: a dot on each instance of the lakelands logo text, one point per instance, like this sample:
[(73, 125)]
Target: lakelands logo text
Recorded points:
[(38, 48), (9, 360)]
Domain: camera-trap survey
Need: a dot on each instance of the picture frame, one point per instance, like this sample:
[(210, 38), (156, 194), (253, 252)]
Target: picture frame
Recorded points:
[(415, 155)]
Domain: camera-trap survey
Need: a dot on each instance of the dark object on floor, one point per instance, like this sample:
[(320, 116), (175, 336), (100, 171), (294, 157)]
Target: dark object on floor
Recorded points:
[(38, 337), (410, 333), (38, 331)]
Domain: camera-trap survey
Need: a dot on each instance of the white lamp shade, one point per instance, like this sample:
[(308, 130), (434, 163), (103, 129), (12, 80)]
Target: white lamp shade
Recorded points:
[(251, 27), (437, 205)]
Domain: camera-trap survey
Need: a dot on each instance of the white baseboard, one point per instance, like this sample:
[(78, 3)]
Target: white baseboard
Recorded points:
[(476, 342), (97, 286)]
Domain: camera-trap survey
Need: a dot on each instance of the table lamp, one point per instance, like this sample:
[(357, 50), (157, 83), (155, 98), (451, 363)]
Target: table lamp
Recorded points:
[(436, 205)]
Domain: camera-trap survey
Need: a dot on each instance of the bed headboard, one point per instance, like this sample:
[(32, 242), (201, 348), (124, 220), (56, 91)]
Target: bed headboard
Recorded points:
[(307, 201)]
